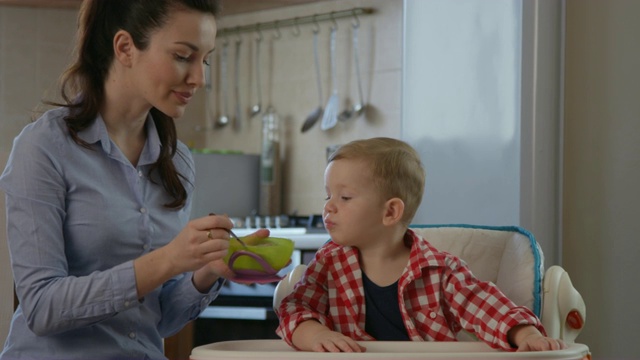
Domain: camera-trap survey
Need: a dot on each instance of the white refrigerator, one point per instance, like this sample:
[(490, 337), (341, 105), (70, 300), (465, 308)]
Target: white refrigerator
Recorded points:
[(482, 105)]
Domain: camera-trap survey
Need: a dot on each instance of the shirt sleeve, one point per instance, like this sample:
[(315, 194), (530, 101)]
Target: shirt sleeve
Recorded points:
[(182, 302), (481, 308), (51, 300), (309, 300)]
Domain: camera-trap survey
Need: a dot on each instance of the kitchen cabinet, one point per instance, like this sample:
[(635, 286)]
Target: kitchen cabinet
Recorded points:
[(230, 7)]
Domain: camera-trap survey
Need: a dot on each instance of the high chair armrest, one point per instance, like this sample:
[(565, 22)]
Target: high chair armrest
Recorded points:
[(563, 309), (285, 286)]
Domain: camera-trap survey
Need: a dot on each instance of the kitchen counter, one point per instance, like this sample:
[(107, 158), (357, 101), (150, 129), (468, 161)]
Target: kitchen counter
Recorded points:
[(471, 350), (303, 238)]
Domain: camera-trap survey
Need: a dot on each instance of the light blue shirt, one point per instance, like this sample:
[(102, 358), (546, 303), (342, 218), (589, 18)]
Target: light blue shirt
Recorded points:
[(76, 220)]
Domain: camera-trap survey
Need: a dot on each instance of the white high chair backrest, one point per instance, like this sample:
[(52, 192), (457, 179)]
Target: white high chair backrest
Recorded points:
[(508, 256)]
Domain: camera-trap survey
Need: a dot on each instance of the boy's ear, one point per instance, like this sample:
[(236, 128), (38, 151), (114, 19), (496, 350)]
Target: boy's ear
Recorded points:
[(394, 209), (123, 48)]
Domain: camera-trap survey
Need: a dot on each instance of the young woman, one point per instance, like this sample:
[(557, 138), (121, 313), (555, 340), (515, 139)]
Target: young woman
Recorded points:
[(98, 192)]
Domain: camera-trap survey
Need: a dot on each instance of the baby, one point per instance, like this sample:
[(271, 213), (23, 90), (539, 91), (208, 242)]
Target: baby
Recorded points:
[(377, 280)]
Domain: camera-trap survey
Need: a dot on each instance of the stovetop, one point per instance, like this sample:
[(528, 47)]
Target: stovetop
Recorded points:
[(307, 232), (252, 221)]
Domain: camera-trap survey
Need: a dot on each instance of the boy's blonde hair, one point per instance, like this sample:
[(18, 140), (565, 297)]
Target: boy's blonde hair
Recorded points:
[(395, 167)]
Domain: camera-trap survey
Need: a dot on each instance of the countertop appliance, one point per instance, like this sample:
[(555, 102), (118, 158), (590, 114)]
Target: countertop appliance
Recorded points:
[(226, 184)]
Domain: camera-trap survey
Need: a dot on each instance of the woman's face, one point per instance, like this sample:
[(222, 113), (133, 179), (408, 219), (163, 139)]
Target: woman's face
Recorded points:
[(169, 71)]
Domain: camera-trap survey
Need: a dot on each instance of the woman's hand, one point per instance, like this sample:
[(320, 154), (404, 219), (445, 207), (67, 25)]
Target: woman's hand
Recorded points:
[(220, 268), (205, 276), (203, 241)]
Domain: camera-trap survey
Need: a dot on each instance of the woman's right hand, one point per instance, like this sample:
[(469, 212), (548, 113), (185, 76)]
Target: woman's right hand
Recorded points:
[(202, 241)]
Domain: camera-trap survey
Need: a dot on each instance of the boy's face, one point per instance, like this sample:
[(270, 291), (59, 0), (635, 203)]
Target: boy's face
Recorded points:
[(354, 208)]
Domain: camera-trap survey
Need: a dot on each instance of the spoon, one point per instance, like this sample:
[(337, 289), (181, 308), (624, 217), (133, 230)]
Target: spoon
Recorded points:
[(255, 109), (357, 109), (223, 120), (232, 234), (316, 114)]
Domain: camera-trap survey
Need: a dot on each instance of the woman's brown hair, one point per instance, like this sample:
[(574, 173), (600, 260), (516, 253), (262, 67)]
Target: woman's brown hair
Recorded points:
[(82, 84)]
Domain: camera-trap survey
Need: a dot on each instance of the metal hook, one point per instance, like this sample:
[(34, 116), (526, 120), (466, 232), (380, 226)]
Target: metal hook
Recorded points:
[(278, 34), (356, 22), (238, 37), (260, 37), (316, 26), (296, 29), (334, 26)]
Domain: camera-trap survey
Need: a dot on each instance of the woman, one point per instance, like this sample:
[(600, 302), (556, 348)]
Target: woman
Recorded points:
[(105, 261)]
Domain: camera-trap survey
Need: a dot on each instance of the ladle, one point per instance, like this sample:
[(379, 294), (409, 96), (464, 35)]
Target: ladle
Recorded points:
[(357, 109), (316, 114), (255, 109), (223, 119)]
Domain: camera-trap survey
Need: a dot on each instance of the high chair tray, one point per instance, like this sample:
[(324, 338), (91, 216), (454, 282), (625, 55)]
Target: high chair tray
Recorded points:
[(278, 349)]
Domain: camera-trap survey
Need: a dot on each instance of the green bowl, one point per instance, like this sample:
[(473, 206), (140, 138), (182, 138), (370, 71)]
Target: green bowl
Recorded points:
[(262, 255)]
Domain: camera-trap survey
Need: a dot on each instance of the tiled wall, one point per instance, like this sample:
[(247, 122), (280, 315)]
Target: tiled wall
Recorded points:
[(35, 45), (288, 83)]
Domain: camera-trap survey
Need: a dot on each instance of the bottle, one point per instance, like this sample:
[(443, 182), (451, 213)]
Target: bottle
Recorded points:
[(270, 165)]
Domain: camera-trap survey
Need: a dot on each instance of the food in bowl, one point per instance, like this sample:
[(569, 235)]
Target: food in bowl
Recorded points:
[(260, 256)]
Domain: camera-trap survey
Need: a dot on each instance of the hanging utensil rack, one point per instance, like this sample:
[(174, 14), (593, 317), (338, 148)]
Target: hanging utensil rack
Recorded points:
[(296, 21)]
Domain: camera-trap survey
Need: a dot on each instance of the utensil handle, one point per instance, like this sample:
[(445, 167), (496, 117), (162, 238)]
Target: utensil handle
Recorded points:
[(317, 64), (258, 83), (334, 75), (356, 59), (224, 80), (238, 118)]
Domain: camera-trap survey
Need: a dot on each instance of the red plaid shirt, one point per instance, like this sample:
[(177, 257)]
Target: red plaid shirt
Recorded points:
[(437, 293)]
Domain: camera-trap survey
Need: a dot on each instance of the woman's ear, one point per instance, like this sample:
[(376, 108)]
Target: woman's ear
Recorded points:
[(123, 48), (394, 209)]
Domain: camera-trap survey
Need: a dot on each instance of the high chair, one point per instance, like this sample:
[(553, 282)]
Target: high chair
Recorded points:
[(510, 257)]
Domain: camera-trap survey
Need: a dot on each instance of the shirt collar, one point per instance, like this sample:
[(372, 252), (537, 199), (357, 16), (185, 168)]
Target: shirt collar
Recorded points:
[(97, 132), (422, 254)]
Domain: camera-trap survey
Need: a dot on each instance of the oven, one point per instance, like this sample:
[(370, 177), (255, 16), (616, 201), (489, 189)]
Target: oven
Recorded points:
[(243, 312)]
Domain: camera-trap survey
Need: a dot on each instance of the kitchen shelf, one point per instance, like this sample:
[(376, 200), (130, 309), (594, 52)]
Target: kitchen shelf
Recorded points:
[(230, 7)]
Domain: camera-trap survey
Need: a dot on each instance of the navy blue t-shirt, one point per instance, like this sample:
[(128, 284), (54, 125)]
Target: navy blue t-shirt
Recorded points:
[(383, 320)]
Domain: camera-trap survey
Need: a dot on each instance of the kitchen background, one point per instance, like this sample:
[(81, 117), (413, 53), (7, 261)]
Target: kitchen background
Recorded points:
[(600, 170)]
